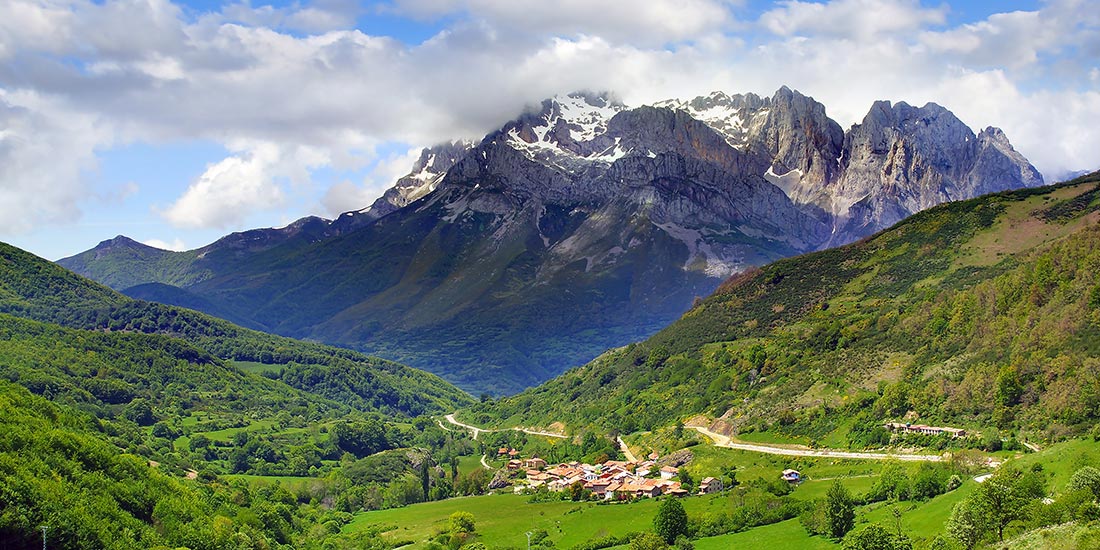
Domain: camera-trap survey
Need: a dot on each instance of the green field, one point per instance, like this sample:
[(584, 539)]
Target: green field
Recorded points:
[(777, 536), (467, 464), (503, 519), (257, 368)]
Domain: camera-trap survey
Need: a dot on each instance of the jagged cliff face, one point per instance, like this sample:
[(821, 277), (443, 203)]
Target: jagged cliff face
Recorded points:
[(584, 224), (898, 161)]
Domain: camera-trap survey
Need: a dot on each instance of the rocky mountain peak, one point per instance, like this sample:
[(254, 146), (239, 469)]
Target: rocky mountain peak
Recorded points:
[(423, 178)]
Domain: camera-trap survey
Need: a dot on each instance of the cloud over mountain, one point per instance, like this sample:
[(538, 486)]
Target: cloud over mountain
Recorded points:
[(79, 77)]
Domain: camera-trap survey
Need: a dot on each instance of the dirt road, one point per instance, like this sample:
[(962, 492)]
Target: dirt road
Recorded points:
[(724, 441), (477, 431), (626, 451)]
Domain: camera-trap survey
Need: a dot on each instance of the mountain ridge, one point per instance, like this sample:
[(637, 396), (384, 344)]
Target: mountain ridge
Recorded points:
[(621, 215)]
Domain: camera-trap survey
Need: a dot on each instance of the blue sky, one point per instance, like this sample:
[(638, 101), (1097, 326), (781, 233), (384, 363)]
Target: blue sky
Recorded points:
[(176, 123)]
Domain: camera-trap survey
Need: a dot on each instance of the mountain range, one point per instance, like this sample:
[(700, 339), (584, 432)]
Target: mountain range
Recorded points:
[(579, 226)]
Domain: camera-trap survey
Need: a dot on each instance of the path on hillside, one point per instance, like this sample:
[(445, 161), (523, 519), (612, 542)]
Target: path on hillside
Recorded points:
[(626, 450), (477, 431), (485, 464), (724, 441)]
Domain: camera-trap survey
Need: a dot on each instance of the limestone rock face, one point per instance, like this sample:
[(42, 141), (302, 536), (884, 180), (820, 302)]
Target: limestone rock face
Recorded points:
[(427, 171), (901, 159)]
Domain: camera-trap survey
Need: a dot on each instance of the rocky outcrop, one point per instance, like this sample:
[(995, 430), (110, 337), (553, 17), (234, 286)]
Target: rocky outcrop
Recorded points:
[(902, 159), (426, 173)]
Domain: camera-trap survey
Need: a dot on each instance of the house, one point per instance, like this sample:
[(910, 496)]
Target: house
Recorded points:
[(923, 429), (791, 476), (651, 488), (598, 487), (710, 485), (669, 472), (502, 451), (534, 463), (611, 489), (645, 468), (513, 453), (540, 478), (514, 465), (654, 456), (557, 485)]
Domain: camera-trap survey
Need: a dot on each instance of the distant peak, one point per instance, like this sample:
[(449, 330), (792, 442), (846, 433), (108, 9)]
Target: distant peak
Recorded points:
[(120, 241), (594, 99)]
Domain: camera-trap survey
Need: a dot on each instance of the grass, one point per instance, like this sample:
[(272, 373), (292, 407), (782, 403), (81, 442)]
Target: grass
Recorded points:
[(1061, 460), (919, 520), (503, 519), (467, 464), (257, 368), (777, 536), (711, 461), (773, 438), (228, 433), (291, 483)]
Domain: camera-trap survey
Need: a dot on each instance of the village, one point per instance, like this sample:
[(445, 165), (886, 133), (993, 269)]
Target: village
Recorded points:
[(612, 480), (624, 480)]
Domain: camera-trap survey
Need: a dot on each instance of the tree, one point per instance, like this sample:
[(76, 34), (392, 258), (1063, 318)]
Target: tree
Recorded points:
[(139, 412), (969, 522), (1086, 478), (462, 522), (840, 511), (686, 481), (671, 520), (876, 537), (1003, 496), (577, 491), (648, 541)]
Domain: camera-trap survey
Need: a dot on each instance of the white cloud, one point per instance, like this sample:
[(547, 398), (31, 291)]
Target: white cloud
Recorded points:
[(248, 182), (1009, 39), (176, 245), (44, 149), (80, 76), (861, 19), (346, 196), (652, 22)]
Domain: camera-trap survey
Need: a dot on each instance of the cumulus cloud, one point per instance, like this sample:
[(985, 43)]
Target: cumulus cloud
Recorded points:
[(44, 149), (292, 89), (860, 19), (176, 245), (653, 22), (1016, 39), (250, 181)]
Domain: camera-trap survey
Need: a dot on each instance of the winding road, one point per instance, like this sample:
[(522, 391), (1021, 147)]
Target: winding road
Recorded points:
[(720, 440), (724, 441), (478, 431)]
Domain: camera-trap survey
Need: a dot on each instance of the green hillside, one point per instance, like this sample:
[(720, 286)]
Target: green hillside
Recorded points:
[(33, 288), (58, 470), (983, 314), (131, 424)]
